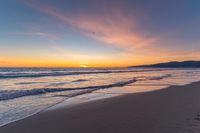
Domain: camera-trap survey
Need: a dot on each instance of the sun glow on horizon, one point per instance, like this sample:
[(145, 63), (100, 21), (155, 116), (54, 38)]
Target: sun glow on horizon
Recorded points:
[(84, 65)]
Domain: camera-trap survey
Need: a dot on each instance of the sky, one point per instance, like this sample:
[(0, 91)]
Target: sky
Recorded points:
[(98, 33)]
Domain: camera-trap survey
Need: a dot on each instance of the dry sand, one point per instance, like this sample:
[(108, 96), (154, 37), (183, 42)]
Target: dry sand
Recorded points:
[(172, 110)]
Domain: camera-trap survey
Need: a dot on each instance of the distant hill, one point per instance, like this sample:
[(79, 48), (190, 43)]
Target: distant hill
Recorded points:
[(174, 64)]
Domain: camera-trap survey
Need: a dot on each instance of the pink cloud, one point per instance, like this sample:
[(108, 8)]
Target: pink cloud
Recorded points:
[(114, 27)]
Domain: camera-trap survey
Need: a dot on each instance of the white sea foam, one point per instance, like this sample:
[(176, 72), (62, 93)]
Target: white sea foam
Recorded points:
[(11, 94)]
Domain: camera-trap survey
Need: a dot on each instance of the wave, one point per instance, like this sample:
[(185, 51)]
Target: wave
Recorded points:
[(36, 75), (63, 83), (80, 80), (160, 77), (12, 94), (26, 83), (57, 84)]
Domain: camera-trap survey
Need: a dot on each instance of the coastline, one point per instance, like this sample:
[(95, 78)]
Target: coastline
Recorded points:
[(174, 109)]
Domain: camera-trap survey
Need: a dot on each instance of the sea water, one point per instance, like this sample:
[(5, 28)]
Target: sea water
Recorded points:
[(26, 91)]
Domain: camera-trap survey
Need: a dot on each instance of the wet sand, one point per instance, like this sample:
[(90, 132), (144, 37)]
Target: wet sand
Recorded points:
[(172, 110)]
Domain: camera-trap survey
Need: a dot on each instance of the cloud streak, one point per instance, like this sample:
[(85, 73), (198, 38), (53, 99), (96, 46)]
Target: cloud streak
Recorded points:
[(32, 33), (110, 26)]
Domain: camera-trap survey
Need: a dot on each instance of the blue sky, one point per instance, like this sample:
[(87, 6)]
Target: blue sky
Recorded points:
[(69, 33)]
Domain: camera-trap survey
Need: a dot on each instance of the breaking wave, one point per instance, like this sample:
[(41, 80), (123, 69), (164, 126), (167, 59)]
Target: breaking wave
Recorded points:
[(11, 94), (63, 73)]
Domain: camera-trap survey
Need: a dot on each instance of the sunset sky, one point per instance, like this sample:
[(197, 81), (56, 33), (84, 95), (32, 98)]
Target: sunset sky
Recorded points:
[(98, 33)]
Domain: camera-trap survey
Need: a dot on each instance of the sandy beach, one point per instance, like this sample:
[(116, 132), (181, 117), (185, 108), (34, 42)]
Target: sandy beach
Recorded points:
[(172, 110)]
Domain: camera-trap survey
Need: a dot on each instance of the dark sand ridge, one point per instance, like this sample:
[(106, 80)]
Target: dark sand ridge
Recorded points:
[(172, 110)]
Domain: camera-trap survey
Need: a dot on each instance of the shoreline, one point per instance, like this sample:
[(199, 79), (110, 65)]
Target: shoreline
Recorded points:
[(112, 106), (66, 103)]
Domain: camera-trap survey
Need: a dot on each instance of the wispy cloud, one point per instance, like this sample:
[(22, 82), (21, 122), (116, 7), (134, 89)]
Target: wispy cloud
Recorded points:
[(36, 33), (113, 26)]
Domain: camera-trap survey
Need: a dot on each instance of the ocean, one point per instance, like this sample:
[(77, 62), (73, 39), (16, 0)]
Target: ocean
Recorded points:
[(27, 91)]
